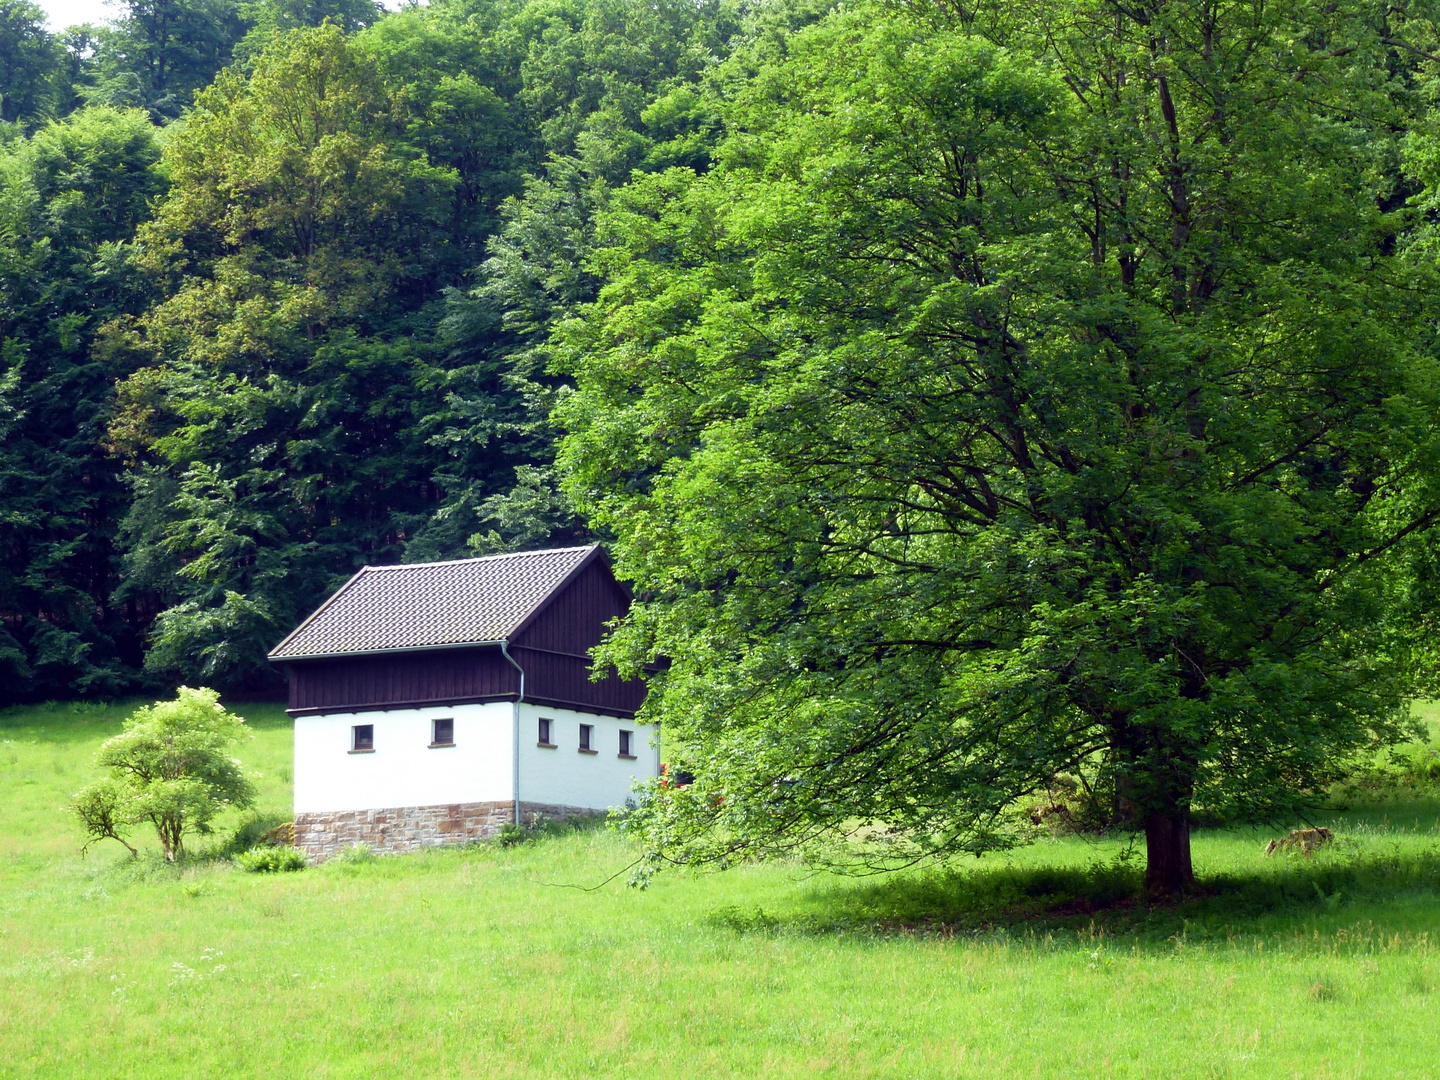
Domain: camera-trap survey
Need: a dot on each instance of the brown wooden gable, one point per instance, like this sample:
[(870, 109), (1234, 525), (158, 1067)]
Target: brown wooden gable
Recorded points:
[(553, 645), (573, 619)]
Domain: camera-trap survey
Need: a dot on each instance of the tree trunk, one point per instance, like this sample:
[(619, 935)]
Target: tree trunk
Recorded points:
[(1167, 853)]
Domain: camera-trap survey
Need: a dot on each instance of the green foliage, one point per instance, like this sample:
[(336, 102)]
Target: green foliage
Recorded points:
[(255, 829), (613, 87), (159, 53), (70, 195), (513, 833), (32, 65), (274, 420), (1021, 394), (296, 407), (1401, 773), (169, 767), (268, 18), (320, 352), (357, 854), (271, 860)]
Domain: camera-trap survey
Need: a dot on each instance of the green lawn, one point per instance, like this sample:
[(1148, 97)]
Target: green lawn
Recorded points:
[(479, 963)]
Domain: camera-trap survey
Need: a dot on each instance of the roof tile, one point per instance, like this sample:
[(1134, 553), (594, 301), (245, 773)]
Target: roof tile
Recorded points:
[(432, 605)]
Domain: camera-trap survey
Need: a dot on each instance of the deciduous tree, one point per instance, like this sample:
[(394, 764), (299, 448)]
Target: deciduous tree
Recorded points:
[(169, 767), (159, 53), (271, 420), (1046, 388), (33, 64)]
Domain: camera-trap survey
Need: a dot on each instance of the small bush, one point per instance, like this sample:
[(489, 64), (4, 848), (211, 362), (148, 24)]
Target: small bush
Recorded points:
[(354, 855), (254, 830), (512, 834), (169, 766), (270, 860)]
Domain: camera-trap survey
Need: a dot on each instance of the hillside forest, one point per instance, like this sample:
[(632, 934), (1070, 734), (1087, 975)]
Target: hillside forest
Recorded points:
[(276, 284)]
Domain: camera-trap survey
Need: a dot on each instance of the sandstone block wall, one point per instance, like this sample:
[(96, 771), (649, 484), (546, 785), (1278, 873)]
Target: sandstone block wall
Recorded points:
[(409, 828)]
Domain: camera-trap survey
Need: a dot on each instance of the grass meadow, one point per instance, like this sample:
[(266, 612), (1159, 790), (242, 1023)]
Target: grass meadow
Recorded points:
[(489, 961)]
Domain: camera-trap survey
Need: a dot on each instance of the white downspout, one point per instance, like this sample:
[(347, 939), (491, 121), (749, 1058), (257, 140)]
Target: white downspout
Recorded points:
[(515, 786)]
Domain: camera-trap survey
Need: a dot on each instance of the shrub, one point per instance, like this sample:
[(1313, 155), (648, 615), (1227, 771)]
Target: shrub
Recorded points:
[(354, 854), (253, 830), (168, 766), (511, 834), (1405, 771), (271, 860)]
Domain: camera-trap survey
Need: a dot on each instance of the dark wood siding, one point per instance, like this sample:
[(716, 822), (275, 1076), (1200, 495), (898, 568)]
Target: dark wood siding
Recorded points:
[(575, 619), (553, 649), (444, 676), (564, 682)]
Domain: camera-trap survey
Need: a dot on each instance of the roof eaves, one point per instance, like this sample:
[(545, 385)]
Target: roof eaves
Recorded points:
[(271, 655), (389, 651)]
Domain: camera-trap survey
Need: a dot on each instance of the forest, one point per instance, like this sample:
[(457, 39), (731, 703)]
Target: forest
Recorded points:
[(277, 280)]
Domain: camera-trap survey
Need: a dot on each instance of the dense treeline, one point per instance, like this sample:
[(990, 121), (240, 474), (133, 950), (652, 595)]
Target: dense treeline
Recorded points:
[(276, 285)]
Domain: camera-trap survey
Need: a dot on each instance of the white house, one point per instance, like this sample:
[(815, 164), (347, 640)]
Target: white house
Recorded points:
[(435, 702)]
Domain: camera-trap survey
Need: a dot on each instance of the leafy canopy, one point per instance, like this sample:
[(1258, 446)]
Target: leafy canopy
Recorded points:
[(70, 195), (168, 767), (271, 418), (1044, 390), (32, 64)]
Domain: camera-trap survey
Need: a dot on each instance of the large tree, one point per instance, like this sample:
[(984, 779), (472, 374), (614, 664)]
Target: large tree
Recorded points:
[(608, 87), (272, 418), (1048, 389)]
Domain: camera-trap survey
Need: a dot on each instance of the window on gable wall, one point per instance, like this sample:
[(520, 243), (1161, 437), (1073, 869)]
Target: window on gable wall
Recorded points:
[(442, 732), (626, 739), (362, 738), (585, 733)]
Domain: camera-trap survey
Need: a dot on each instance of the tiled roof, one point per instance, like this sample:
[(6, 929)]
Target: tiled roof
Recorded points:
[(432, 605)]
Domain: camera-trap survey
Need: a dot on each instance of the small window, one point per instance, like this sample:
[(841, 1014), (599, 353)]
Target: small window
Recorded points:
[(545, 732), (362, 738), (442, 732), (626, 738), (585, 732)]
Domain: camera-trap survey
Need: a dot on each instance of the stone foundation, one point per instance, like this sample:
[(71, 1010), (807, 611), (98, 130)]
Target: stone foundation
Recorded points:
[(400, 829)]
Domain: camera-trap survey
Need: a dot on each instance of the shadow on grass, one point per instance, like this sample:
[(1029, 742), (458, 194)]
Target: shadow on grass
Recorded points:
[(1108, 899)]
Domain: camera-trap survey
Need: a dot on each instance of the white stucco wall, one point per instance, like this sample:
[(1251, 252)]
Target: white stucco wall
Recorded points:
[(404, 770), (567, 777)]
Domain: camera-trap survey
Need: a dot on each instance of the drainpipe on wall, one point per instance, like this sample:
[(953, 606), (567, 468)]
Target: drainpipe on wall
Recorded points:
[(505, 652)]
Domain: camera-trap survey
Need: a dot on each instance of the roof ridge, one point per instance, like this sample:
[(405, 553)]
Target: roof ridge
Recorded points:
[(484, 600), (476, 559)]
